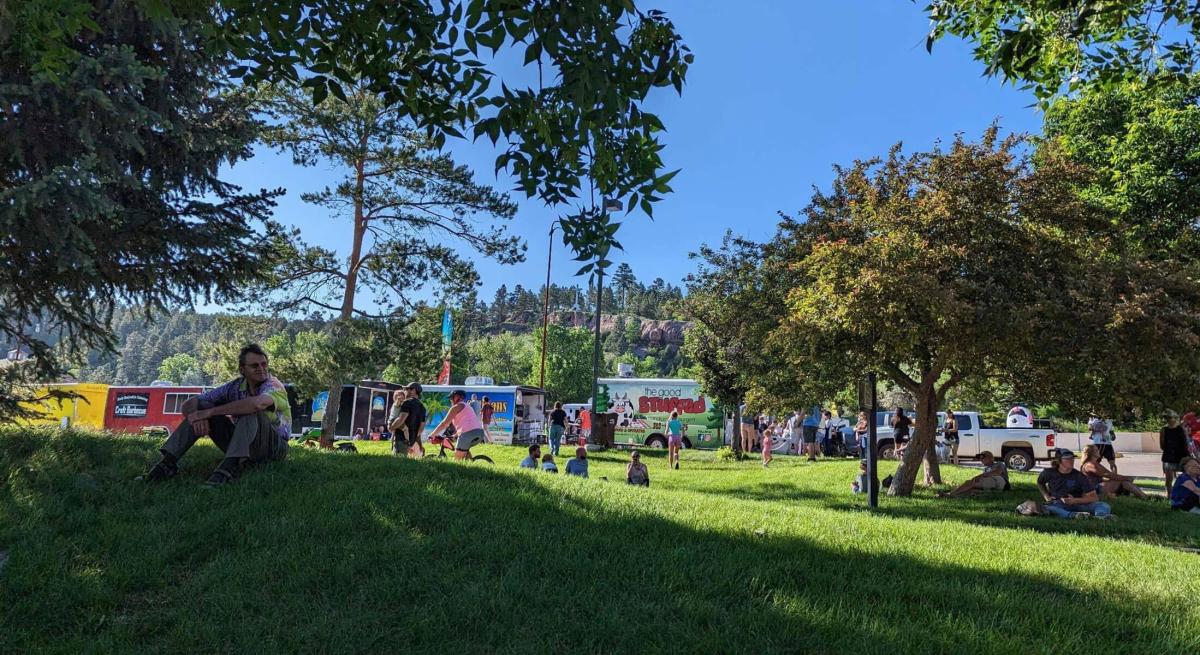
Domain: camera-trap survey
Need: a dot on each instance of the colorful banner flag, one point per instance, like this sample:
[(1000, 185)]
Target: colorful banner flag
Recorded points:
[(447, 330)]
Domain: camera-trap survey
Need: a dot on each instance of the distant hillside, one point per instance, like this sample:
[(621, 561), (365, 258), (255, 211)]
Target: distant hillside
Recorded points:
[(651, 333)]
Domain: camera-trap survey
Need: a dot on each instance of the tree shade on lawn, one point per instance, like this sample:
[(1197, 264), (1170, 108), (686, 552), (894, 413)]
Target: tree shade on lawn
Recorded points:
[(370, 553)]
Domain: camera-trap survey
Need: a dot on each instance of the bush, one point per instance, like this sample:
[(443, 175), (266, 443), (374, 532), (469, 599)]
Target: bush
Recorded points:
[(727, 454)]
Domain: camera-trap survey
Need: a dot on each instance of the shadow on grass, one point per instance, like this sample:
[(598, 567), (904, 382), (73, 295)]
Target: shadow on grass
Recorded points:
[(371, 554)]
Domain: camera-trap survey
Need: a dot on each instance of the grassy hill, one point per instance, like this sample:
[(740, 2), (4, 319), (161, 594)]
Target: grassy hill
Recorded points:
[(365, 553)]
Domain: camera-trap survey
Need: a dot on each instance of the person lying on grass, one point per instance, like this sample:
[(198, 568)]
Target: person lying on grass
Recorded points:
[(1068, 493), (579, 465), (993, 478), (1108, 483), (636, 473), (248, 418), (1185, 494)]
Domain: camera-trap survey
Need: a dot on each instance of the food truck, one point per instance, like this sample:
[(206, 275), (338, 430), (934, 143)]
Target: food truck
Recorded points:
[(84, 409), (518, 412), (146, 409), (643, 406)]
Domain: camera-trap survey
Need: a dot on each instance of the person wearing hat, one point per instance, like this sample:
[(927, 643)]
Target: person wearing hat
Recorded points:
[(1068, 493), (1173, 441), (408, 422), (636, 473), (467, 425)]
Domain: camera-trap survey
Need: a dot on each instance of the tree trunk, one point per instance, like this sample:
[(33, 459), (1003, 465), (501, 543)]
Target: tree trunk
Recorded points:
[(920, 446), (329, 421), (332, 405), (735, 439)]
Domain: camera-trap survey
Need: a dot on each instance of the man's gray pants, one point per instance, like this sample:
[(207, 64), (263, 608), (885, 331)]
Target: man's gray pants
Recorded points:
[(251, 438)]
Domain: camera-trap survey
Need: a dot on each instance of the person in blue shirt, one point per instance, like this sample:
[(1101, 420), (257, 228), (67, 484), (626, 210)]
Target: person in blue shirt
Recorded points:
[(535, 455), (578, 465), (1185, 493), (548, 464), (675, 430), (809, 425)]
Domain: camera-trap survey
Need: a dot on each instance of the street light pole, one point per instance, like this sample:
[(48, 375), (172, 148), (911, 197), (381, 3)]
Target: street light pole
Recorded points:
[(546, 305), (605, 205)]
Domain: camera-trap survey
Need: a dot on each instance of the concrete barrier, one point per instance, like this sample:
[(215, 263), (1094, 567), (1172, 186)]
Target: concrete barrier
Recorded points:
[(1126, 442)]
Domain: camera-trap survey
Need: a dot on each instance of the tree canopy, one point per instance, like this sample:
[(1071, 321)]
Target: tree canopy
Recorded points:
[(1057, 46)]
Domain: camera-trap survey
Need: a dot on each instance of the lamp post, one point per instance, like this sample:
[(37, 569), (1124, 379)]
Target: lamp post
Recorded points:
[(869, 400), (546, 304), (605, 206)]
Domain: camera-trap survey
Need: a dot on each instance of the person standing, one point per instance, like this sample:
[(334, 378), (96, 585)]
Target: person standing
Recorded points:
[(747, 431), (767, 442), (394, 425), (809, 425), (901, 427), (794, 432), (950, 434), (1101, 434), (862, 432), (558, 425), (248, 418), (675, 432), (409, 423), (1173, 441), (487, 415)]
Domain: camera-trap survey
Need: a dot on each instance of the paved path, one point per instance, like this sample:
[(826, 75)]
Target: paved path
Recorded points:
[(1139, 465)]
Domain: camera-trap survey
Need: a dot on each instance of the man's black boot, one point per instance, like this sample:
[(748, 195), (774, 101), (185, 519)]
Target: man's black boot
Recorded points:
[(225, 472), (165, 469)]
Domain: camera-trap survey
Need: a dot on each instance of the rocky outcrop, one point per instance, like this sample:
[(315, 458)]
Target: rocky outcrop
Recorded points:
[(653, 333)]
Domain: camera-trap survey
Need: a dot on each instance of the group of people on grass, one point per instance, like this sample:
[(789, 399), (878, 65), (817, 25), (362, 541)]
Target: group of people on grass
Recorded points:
[(249, 419), (636, 472)]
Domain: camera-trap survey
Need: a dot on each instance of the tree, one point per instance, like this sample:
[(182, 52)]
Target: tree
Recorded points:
[(624, 282), (507, 358), (412, 213), (73, 69), (1051, 46), (115, 128), (1143, 143), (181, 368), (568, 364), (942, 267), (727, 344)]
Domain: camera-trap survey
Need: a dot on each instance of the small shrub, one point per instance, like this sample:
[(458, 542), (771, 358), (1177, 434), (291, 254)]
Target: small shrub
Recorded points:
[(727, 454)]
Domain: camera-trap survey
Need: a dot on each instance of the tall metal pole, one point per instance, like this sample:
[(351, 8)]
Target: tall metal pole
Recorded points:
[(872, 452), (546, 306), (596, 348)]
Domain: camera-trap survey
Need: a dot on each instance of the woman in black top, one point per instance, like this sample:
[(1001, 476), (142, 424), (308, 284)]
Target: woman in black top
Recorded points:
[(1172, 439), (900, 425)]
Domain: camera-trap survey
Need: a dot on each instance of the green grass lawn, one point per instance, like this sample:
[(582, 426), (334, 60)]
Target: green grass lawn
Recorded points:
[(335, 552)]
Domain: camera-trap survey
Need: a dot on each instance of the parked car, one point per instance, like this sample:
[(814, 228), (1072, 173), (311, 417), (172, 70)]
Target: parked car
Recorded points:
[(1018, 448)]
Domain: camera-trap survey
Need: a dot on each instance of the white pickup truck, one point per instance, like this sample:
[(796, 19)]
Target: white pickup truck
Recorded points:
[(1019, 448)]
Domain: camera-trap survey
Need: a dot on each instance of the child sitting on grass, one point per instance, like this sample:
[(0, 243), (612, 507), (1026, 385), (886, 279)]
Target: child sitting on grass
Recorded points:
[(860, 482), (548, 463)]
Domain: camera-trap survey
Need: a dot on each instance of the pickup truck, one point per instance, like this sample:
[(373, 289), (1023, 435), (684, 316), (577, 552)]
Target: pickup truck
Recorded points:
[(1018, 448)]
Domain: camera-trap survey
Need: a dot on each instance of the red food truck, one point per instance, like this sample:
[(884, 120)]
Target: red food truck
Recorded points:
[(149, 409)]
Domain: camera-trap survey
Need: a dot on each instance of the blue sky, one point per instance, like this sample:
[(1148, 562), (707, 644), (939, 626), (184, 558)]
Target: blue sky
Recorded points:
[(779, 92)]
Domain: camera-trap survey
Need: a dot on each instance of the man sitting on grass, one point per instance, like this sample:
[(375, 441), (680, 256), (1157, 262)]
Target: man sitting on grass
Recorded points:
[(993, 478), (1068, 493), (535, 455), (249, 419)]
